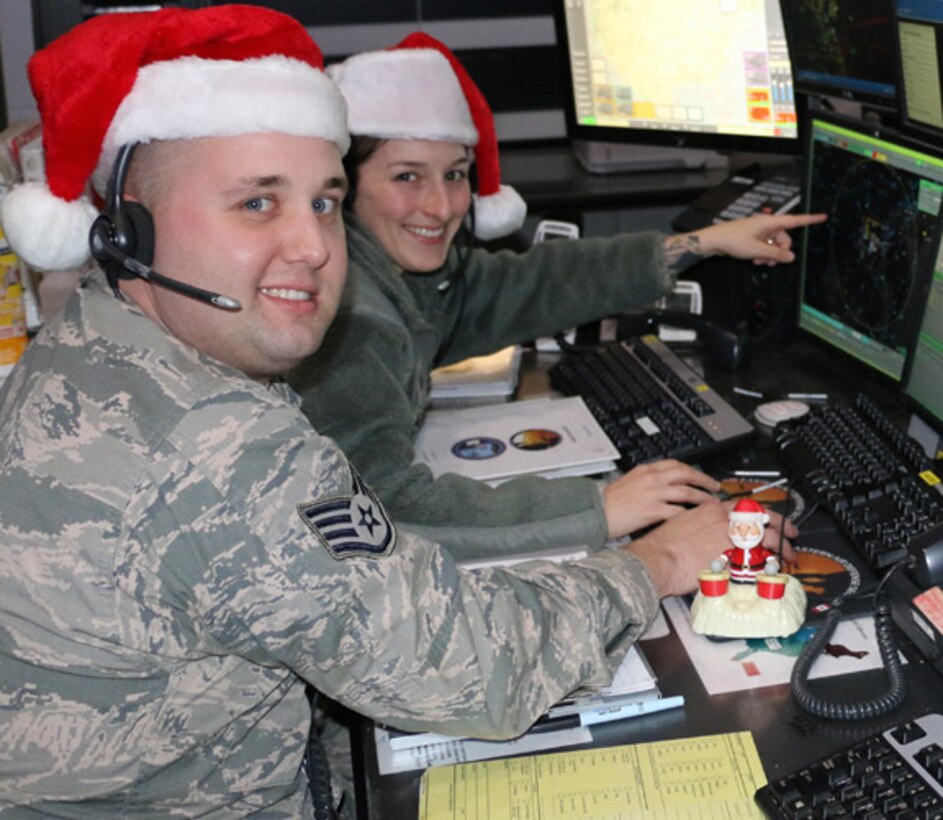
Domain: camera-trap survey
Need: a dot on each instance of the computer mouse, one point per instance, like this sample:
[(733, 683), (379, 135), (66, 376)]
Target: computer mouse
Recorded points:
[(772, 413)]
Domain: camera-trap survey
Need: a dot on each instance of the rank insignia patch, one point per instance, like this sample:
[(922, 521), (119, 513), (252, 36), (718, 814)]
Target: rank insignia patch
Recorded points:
[(354, 525)]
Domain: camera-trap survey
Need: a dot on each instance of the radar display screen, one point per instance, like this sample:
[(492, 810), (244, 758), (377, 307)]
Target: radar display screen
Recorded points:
[(843, 48), (925, 384), (865, 271)]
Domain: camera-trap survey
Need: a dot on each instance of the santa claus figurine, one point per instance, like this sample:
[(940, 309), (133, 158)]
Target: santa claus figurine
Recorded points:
[(746, 558), (743, 594)]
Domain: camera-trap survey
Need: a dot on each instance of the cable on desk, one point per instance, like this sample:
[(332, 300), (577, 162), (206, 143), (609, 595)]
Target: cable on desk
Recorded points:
[(317, 767), (881, 704), (569, 347)]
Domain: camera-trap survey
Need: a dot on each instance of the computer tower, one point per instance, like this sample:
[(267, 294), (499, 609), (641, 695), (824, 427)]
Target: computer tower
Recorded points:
[(758, 302)]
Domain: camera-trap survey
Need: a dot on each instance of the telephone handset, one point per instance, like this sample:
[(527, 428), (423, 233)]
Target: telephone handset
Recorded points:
[(722, 347), (555, 229)]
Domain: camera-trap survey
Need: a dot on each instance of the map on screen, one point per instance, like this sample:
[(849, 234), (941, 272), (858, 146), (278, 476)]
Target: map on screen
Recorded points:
[(699, 65)]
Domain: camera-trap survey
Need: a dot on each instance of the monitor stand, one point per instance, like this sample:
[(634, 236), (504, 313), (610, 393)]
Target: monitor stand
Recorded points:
[(617, 158)]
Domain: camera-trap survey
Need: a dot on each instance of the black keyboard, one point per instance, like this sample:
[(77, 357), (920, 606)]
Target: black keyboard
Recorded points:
[(650, 403), (873, 478), (893, 774)]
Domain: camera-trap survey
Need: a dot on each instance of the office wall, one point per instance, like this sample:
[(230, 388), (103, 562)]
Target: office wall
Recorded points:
[(508, 46), (16, 46)]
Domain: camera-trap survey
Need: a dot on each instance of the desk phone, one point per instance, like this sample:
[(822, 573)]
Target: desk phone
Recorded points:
[(753, 190)]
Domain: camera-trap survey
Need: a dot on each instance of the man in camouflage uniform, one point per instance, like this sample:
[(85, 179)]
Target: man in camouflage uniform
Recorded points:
[(180, 553)]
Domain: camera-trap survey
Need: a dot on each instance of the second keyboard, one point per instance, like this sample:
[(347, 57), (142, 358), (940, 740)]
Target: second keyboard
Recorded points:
[(650, 403)]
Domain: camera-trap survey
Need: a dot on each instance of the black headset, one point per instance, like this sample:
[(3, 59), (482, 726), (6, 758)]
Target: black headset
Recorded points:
[(464, 252), (122, 240), (457, 278)]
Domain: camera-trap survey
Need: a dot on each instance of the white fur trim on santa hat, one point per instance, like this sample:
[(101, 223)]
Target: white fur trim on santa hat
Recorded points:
[(404, 94), (193, 97), (760, 517), (499, 214), (45, 231)]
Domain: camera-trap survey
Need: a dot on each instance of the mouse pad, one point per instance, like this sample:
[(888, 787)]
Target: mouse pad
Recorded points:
[(825, 573), (787, 501)]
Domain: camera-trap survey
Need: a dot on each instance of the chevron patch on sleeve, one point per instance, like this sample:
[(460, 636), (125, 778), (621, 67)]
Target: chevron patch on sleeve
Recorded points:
[(354, 525)]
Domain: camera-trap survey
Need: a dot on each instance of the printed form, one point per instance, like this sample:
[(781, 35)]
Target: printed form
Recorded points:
[(713, 776)]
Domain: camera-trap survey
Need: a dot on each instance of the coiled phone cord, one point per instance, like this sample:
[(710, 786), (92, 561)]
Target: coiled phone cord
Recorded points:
[(883, 703)]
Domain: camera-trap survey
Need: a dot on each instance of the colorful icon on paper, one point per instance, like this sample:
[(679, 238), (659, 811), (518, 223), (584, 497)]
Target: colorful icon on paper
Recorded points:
[(478, 448), (536, 439)]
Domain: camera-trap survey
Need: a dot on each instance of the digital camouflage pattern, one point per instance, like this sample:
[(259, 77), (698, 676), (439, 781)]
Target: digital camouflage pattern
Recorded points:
[(167, 581)]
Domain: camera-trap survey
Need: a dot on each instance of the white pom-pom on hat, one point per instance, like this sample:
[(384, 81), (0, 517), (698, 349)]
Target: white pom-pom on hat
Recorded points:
[(46, 231), (499, 214)]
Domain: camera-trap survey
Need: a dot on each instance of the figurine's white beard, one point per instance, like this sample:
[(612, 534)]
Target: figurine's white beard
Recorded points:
[(745, 543)]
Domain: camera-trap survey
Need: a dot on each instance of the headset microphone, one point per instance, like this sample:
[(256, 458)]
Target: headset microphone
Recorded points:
[(105, 250), (122, 240), (464, 254)]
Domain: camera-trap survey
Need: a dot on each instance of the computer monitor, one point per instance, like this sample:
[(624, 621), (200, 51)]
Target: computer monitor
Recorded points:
[(843, 48), (679, 74), (920, 45), (925, 382), (864, 273)]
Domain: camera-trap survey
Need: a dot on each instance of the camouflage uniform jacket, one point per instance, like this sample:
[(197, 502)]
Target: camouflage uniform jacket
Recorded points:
[(179, 551), (368, 385)]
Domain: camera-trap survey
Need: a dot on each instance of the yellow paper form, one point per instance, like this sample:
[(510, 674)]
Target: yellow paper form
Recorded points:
[(714, 776)]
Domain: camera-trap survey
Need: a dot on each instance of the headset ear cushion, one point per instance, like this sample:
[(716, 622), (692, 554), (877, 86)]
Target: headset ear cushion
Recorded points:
[(141, 227)]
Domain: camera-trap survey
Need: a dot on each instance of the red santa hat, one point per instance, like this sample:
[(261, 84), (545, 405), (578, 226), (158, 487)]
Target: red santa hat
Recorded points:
[(419, 90), (164, 75), (749, 510)]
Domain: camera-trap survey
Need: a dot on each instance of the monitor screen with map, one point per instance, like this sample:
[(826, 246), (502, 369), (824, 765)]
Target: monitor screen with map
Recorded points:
[(711, 74), (865, 272)]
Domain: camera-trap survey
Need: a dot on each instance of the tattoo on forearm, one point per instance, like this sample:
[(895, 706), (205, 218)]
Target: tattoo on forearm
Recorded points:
[(682, 251)]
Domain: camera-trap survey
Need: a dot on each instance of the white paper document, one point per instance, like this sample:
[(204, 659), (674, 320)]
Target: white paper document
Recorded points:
[(461, 750), (738, 664), (496, 442)]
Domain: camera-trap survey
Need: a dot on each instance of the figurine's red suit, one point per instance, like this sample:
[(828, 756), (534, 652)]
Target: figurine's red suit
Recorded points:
[(746, 559)]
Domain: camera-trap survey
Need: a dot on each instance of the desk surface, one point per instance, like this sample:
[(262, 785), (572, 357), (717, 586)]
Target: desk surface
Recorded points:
[(786, 738)]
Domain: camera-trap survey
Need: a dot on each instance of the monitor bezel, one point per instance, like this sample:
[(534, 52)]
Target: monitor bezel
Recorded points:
[(918, 129), (810, 87), (888, 134), (929, 417), (667, 138)]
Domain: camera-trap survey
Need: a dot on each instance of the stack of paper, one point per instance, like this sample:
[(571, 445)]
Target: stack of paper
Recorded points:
[(633, 692), (493, 376), (546, 437)]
